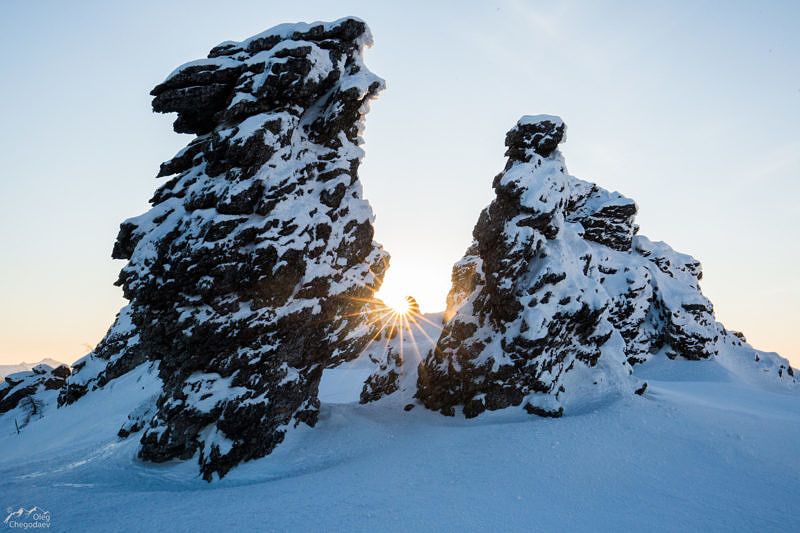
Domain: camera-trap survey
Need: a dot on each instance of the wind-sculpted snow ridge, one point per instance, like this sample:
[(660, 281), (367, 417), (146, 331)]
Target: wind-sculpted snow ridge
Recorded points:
[(557, 297), (254, 268)]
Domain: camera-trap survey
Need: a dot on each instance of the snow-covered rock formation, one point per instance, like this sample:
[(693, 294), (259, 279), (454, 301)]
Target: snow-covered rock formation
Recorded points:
[(558, 297), (24, 393), (255, 268), (252, 270), (400, 336)]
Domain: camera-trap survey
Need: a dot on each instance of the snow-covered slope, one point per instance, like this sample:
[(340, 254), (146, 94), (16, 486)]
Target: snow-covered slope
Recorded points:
[(700, 451)]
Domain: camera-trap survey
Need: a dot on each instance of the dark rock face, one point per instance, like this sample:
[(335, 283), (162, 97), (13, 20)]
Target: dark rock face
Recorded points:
[(249, 274), (606, 218), (21, 388), (413, 306), (535, 135), (385, 379), (557, 297)]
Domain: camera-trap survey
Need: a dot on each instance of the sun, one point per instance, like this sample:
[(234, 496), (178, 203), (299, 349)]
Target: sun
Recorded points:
[(403, 306), (399, 306)]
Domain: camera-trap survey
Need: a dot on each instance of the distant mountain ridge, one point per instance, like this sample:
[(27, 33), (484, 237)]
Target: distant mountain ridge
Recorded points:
[(6, 370)]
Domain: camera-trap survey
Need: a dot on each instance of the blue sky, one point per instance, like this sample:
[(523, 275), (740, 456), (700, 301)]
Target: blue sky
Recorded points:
[(689, 108)]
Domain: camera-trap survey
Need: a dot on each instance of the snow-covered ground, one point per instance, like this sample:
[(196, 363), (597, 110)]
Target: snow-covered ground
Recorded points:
[(705, 449)]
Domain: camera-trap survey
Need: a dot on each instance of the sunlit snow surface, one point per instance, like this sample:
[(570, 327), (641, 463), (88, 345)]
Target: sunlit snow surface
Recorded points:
[(711, 446)]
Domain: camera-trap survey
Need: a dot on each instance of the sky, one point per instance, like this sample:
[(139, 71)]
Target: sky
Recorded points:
[(689, 108)]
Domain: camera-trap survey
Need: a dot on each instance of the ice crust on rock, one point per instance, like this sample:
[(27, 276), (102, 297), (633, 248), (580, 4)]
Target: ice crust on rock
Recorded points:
[(250, 272), (557, 297)]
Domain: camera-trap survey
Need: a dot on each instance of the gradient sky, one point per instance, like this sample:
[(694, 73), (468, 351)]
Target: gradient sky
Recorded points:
[(692, 109)]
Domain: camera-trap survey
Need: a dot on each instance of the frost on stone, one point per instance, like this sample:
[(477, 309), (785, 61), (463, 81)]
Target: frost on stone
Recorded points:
[(250, 272)]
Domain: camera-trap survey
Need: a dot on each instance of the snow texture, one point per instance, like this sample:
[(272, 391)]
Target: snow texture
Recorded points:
[(705, 449)]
